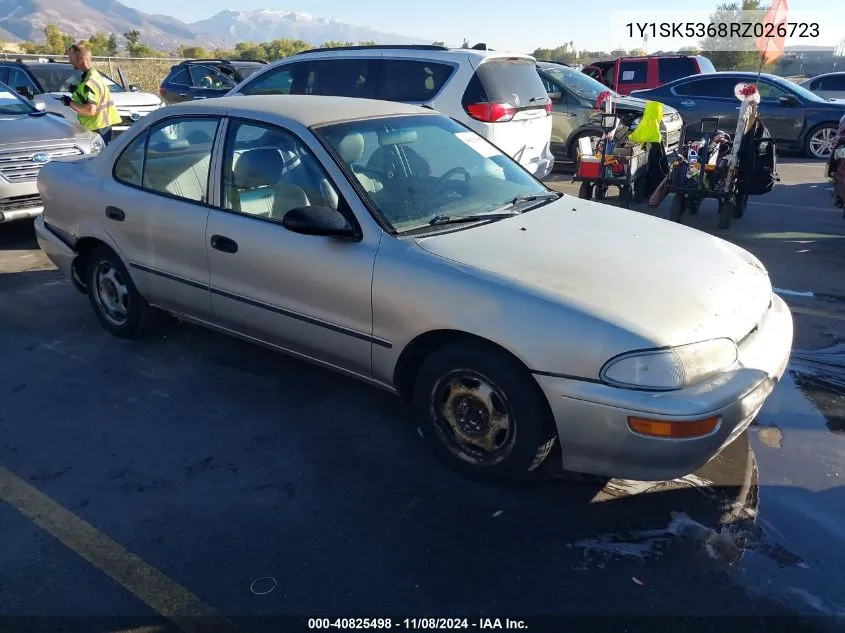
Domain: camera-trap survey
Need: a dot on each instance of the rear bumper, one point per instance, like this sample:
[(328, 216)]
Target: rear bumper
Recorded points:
[(592, 419)]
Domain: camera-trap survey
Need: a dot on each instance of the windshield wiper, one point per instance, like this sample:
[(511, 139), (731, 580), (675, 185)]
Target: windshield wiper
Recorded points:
[(531, 197), (475, 217)]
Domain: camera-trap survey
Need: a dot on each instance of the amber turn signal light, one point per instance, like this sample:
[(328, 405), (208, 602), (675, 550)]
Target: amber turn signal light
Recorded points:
[(663, 428)]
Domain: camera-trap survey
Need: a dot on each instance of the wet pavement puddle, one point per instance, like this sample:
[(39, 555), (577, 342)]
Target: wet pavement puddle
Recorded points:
[(788, 544)]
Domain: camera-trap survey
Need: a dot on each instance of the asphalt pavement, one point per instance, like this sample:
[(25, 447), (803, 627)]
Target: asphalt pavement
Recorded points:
[(213, 485)]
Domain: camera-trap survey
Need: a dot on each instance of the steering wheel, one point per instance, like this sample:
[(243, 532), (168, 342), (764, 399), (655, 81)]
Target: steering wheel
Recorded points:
[(455, 171)]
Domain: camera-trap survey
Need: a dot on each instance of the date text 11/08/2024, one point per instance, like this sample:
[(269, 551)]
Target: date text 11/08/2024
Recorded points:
[(413, 624)]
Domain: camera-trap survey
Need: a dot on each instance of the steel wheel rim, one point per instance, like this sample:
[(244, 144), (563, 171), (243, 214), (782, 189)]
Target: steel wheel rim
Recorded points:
[(111, 294), (821, 142), (473, 418)]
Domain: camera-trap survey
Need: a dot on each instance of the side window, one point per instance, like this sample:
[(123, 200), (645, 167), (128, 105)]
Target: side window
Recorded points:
[(632, 73), (770, 92), (831, 82), (341, 78), (130, 165), (712, 87), (178, 157), (208, 78), (672, 68), (19, 79), (4, 76), (406, 80), (268, 171), (181, 78), (278, 81)]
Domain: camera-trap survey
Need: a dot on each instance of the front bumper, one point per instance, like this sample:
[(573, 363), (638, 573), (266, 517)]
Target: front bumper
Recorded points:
[(19, 200), (592, 418)]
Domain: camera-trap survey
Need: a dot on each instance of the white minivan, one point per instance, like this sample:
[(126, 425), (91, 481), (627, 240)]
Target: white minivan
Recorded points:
[(499, 95)]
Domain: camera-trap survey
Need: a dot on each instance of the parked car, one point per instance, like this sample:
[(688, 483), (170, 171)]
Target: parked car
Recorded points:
[(643, 73), (575, 115), (827, 86), (205, 78), (29, 139), (46, 81), (499, 95), (796, 118), (397, 246)]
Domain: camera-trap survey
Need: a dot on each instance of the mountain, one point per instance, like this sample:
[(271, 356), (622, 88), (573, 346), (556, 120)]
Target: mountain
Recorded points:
[(24, 20), (270, 24)]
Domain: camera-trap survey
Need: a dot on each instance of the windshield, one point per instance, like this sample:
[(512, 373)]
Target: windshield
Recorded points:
[(416, 168), (582, 85), (60, 77), (11, 104)]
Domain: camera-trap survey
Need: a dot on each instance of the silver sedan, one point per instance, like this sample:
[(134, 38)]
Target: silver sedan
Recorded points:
[(393, 244)]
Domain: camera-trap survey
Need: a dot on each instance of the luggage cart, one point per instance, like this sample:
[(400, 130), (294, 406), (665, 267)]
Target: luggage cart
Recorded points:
[(624, 168)]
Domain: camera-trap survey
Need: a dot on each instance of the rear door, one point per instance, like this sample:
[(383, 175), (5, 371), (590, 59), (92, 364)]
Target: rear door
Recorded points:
[(706, 96), (207, 82), (178, 88), (412, 81), (505, 102), (633, 75)]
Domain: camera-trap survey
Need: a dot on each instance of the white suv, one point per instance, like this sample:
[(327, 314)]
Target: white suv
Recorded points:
[(499, 95)]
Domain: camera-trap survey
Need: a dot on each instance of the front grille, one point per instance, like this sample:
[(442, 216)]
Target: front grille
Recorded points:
[(141, 111), (17, 165), (19, 203)]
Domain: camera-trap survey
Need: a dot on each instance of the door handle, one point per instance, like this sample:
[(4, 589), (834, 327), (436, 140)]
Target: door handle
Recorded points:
[(200, 97), (183, 94), (224, 244), (688, 103), (113, 213)]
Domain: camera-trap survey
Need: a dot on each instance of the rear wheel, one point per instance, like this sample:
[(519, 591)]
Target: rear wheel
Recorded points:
[(482, 412), (626, 195), (119, 307), (693, 205), (676, 211), (585, 191), (727, 209), (819, 142)]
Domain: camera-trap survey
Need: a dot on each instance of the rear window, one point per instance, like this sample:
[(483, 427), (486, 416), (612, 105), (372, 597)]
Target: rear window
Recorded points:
[(714, 87), (633, 72), (181, 78), (246, 71), (513, 81), (705, 65), (348, 77), (832, 82), (409, 80), (672, 68)]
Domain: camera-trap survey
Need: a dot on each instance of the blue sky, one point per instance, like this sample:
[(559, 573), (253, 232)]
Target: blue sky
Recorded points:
[(516, 25)]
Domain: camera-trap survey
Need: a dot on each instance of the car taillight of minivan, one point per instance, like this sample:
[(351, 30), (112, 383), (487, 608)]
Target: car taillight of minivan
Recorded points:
[(549, 106), (491, 112)]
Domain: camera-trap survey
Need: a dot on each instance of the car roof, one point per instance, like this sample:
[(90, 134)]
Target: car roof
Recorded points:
[(423, 50), (309, 110)]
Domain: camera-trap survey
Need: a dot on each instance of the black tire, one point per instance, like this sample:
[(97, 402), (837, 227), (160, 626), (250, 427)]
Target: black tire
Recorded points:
[(727, 209), (693, 205), (585, 191), (741, 204), (676, 211), (464, 367), (830, 129), (102, 264), (600, 192), (626, 195)]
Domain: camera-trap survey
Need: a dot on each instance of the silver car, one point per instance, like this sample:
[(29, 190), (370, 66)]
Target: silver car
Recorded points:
[(30, 138), (395, 245)]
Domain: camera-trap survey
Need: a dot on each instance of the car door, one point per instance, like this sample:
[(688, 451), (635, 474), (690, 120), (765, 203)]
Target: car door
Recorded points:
[(566, 109), (781, 111), (178, 88), (310, 295), (156, 206), (705, 97)]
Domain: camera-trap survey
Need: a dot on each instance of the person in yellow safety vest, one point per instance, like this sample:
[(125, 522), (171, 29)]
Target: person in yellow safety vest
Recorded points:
[(91, 98)]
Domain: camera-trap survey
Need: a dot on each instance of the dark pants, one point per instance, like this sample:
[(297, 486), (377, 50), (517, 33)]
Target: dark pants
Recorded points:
[(105, 133)]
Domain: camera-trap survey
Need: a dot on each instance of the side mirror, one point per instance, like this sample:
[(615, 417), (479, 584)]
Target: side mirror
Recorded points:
[(40, 106), (318, 220), (556, 96), (134, 88), (25, 92), (787, 101)]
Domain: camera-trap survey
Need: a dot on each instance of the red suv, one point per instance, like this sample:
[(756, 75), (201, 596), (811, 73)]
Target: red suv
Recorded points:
[(642, 73)]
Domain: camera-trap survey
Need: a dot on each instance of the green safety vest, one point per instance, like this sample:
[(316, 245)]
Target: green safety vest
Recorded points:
[(93, 89)]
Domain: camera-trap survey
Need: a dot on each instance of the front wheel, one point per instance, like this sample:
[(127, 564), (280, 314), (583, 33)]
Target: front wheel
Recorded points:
[(482, 412), (120, 308)]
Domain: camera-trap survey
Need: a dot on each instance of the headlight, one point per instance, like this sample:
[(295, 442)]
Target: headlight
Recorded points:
[(671, 368), (97, 144)]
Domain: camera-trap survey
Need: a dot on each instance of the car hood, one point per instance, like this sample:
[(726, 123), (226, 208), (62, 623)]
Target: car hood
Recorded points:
[(123, 99), (664, 282), (41, 128)]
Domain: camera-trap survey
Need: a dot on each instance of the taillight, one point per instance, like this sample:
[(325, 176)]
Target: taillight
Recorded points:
[(548, 107), (491, 112)]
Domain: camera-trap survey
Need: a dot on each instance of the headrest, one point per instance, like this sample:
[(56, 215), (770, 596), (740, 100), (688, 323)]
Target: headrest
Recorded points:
[(258, 168), (351, 148)]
